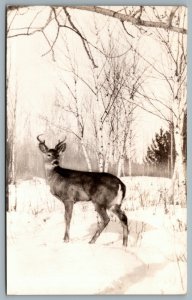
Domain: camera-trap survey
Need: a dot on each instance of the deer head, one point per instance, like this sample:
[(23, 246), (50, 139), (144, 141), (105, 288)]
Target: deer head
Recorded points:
[(51, 155)]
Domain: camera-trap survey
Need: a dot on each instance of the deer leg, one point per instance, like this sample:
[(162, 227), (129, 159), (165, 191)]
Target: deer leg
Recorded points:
[(123, 219), (68, 215), (104, 221)]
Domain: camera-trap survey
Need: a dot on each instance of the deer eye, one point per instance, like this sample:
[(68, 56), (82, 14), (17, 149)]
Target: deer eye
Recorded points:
[(49, 155)]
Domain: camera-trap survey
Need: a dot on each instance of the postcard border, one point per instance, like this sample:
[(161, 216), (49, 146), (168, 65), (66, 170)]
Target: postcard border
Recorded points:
[(3, 4)]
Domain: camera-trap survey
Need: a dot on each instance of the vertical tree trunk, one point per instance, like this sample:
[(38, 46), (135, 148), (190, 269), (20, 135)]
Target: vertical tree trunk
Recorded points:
[(101, 154), (86, 156), (179, 174), (109, 151), (172, 149), (108, 156), (130, 167), (120, 165), (12, 161), (129, 152)]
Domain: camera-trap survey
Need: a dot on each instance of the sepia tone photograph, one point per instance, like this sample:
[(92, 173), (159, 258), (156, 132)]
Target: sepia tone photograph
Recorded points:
[(96, 150)]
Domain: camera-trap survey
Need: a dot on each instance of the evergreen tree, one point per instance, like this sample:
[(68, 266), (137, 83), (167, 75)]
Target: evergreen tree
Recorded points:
[(159, 152)]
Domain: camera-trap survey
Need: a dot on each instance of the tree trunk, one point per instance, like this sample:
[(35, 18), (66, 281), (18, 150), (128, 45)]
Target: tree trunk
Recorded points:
[(179, 174), (129, 153), (120, 165), (130, 167), (109, 151), (86, 156), (101, 154), (172, 150), (107, 157)]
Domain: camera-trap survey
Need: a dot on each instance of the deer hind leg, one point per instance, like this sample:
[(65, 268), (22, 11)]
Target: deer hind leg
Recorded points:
[(68, 214), (104, 221), (116, 209)]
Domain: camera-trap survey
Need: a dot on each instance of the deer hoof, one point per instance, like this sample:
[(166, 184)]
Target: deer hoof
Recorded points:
[(125, 243), (92, 241)]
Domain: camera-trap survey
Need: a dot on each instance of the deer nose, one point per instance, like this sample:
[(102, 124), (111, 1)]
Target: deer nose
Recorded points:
[(55, 162)]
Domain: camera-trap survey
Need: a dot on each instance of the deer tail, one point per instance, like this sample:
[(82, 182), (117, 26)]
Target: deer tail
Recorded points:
[(123, 189)]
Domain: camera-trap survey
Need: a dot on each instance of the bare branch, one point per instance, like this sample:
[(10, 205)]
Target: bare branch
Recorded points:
[(56, 36), (147, 110), (126, 29), (32, 21), (65, 129), (129, 18), (24, 34), (82, 38), (8, 27), (81, 78), (171, 16)]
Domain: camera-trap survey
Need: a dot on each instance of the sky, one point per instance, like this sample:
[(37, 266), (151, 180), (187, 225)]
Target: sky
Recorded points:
[(36, 77)]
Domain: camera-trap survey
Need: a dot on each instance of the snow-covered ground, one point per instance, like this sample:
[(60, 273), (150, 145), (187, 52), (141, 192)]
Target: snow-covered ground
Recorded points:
[(39, 262)]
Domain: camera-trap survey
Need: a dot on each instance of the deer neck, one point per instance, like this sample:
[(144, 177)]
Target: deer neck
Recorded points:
[(49, 168)]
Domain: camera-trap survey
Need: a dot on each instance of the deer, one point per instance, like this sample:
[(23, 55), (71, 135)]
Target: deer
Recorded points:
[(106, 191)]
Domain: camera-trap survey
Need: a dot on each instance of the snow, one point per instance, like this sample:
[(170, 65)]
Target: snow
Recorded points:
[(40, 263)]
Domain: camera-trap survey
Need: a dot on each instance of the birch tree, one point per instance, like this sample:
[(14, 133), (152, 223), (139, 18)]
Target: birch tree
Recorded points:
[(174, 45), (115, 103)]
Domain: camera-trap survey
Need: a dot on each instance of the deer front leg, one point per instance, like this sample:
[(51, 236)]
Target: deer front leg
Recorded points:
[(68, 214), (104, 221)]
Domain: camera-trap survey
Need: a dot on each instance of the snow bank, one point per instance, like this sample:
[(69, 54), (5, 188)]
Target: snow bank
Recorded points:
[(39, 262)]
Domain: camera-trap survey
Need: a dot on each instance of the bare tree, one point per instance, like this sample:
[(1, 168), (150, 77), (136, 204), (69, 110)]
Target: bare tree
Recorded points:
[(174, 45), (12, 94), (112, 87)]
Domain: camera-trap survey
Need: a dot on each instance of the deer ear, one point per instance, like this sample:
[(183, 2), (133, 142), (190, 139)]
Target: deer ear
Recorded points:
[(61, 147), (43, 147)]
